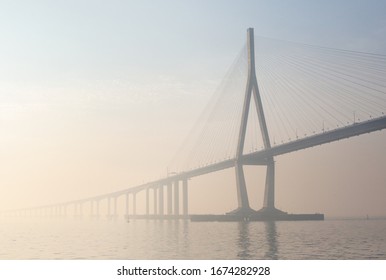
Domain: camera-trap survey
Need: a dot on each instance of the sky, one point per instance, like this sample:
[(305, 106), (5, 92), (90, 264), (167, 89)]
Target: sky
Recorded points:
[(97, 96)]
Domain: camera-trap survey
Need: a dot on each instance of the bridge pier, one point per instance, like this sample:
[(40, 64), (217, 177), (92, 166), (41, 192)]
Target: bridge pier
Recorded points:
[(108, 208), (170, 198), (161, 200), (176, 199), (252, 88), (115, 208), (160, 210), (242, 194), (134, 204), (147, 203), (155, 201), (167, 206), (185, 198), (127, 205), (269, 193)]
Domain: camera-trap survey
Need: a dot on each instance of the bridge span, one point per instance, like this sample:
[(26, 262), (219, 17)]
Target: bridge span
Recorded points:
[(172, 183)]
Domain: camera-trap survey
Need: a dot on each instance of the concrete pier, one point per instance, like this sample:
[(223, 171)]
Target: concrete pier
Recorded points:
[(257, 217)]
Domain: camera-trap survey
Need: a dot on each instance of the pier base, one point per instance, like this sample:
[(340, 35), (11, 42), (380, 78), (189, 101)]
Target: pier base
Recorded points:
[(258, 216)]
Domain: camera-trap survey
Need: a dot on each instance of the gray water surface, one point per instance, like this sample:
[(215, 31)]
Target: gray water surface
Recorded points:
[(152, 239)]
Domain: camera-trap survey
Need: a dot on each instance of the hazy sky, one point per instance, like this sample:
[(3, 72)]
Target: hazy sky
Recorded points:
[(96, 96)]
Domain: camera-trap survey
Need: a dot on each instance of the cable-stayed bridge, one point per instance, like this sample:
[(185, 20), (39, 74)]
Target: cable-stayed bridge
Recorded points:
[(277, 98)]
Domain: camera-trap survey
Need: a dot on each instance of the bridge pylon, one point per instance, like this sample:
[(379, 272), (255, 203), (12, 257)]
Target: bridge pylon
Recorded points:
[(242, 195)]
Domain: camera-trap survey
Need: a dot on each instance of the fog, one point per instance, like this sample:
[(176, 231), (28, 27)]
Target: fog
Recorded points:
[(97, 101)]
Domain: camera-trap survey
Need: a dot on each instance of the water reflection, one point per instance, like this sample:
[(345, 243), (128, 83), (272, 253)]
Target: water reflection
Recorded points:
[(244, 243), (247, 242), (271, 236)]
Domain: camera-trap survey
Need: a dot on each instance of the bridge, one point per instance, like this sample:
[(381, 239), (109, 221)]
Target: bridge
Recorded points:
[(169, 196)]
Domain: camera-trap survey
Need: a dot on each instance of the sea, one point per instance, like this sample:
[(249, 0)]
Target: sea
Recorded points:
[(91, 239)]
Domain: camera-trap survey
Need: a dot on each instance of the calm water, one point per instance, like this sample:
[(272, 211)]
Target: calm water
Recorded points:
[(87, 239)]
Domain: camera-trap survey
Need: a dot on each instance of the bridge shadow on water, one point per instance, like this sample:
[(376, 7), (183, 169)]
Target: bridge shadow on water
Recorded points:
[(246, 246)]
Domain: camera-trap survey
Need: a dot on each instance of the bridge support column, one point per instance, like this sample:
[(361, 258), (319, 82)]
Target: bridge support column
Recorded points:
[(134, 204), (115, 207), (127, 205), (147, 203), (108, 208), (91, 208), (155, 212), (161, 200), (176, 199), (252, 89), (170, 198), (185, 198), (242, 194), (269, 193)]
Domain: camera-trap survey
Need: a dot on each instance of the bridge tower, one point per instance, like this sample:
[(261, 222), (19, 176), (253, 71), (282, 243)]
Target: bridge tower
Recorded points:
[(242, 195)]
